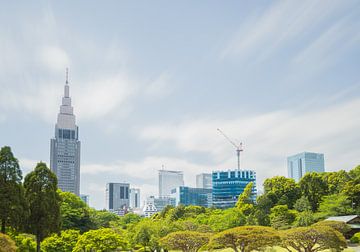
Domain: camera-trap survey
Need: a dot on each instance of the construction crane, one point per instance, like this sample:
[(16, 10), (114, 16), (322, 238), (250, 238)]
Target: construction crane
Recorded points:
[(239, 147)]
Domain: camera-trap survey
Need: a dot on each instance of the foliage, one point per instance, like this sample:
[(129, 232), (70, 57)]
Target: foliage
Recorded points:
[(302, 204), (103, 239), (12, 202), (283, 190), (335, 181), (312, 239), (334, 205), (6, 243), (340, 226), (187, 241), (75, 214), (44, 202), (281, 217), (125, 221), (355, 238), (313, 187), (244, 203), (146, 234), (65, 242), (226, 219), (246, 238), (25, 242), (305, 218), (102, 218)]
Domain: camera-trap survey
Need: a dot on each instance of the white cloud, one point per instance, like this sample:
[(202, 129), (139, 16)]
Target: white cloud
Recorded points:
[(54, 58)]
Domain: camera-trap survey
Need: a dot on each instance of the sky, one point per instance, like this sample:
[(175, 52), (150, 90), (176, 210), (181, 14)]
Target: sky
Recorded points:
[(151, 81)]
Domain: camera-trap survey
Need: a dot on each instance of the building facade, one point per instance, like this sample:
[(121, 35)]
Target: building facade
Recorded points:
[(160, 202), (304, 162), (65, 147), (117, 196), (228, 185), (185, 195), (204, 180), (134, 198), (149, 209), (169, 180)]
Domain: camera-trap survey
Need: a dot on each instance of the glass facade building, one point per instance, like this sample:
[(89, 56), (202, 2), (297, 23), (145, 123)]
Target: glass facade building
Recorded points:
[(304, 162), (117, 196), (169, 180), (204, 180), (228, 185), (185, 195), (65, 148)]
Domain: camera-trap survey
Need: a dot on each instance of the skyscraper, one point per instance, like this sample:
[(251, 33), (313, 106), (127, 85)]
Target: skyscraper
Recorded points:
[(117, 196), (228, 185), (65, 147), (134, 197), (304, 162), (186, 196), (169, 180), (204, 180)]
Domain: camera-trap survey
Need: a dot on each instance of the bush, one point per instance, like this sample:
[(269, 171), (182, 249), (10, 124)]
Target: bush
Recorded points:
[(355, 238), (6, 243)]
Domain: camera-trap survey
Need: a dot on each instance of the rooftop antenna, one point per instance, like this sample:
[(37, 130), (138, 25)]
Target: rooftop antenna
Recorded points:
[(67, 76), (239, 147)]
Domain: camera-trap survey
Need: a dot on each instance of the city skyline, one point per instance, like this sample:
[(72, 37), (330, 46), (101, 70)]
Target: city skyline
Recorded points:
[(151, 83)]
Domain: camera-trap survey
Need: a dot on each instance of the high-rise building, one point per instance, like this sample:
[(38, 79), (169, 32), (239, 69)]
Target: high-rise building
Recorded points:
[(85, 198), (169, 180), (134, 198), (228, 185), (204, 180), (304, 162), (161, 202), (117, 196), (185, 195), (65, 147)]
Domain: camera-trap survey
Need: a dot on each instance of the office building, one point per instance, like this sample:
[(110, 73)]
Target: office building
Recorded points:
[(149, 209), (169, 180), (85, 198), (204, 180), (65, 147), (134, 198), (302, 163), (117, 196), (185, 195), (160, 202), (228, 185)]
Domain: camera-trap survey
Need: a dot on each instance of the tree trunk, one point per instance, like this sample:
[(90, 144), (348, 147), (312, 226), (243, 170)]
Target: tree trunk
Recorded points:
[(38, 243), (3, 226)]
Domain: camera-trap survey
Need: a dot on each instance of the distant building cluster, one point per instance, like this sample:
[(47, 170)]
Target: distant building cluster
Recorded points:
[(219, 189)]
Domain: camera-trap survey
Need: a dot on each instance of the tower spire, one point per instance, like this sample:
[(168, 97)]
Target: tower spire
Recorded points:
[(67, 76), (66, 88)]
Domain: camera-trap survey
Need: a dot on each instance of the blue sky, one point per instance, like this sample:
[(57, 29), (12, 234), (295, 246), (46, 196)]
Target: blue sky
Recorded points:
[(151, 81)]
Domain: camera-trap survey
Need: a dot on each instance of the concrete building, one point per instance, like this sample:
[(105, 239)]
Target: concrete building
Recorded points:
[(65, 147), (85, 198), (169, 180), (204, 180), (134, 198), (149, 209), (117, 196), (228, 185), (192, 196), (161, 202), (304, 162)]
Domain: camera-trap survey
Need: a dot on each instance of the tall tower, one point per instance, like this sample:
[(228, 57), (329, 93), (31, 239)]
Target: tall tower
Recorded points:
[(65, 147)]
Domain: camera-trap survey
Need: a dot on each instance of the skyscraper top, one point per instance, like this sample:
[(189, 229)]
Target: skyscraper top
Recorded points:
[(66, 117)]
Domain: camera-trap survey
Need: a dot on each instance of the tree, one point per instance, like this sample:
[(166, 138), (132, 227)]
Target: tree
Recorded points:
[(305, 219), (25, 242), (312, 239), (75, 214), (102, 218), (334, 205), (225, 219), (335, 181), (103, 239), (65, 242), (187, 241), (146, 234), (6, 244), (12, 203), (244, 203), (340, 226), (313, 188), (352, 187), (246, 238), (284, 190), (44, 203), (281, 217), (302, 204)]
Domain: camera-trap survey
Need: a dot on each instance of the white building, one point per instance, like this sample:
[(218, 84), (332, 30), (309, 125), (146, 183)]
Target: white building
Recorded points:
[(204, 180), (304, 162), (149, 209), (65, 147), (169, 180), (134, 198)]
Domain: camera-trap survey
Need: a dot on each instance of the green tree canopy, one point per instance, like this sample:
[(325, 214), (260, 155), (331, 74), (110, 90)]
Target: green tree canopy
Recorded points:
[(103, 239), (312, 239), (244, 203), (6, 243), (25, 242), (305, 219), (246, 238), (44, 202), (283, 190), (65, 242), (334, 205), (302, 204), (340, 226), (187, 241), (281, 217), (13, 208), (313, 188)]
